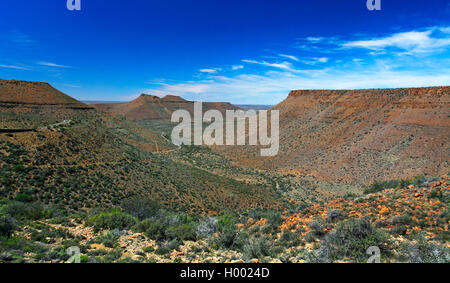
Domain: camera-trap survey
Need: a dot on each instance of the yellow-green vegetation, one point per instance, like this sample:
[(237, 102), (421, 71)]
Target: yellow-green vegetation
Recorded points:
[(141, 230)]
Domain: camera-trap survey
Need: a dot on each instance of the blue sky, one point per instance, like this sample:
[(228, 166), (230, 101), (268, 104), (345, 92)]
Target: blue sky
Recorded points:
[(243, 51)]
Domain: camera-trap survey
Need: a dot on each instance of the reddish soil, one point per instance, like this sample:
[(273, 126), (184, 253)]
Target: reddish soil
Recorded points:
[(34, 93), (359, 136)]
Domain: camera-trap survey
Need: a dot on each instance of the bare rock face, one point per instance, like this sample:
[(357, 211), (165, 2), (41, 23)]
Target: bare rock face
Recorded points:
[(358, 136), (149, 107)]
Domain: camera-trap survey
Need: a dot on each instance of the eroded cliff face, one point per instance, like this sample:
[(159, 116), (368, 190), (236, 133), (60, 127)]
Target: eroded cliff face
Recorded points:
[(359, 136)]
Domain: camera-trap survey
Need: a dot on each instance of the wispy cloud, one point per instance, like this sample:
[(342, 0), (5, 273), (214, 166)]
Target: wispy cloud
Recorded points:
[(314, 61), (14, 67), (50, 64), (314, 39), (211, 70), (411, 42), (273, 87), (284, 65), (237, 67), (19, 39), (294, 58), (414, 58)]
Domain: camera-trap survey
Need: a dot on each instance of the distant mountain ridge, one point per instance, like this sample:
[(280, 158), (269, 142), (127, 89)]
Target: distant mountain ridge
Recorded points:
[(150, 107)]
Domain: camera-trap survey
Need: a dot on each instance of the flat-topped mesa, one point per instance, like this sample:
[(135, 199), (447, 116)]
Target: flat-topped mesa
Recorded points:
[(18, 82), (360, 136), (438, 90), (16, 92), (148, 97), (173, 98)]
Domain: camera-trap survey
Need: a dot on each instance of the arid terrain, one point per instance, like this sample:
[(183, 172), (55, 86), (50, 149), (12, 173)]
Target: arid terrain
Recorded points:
[(359, 136), (150, 107), (356, 169)]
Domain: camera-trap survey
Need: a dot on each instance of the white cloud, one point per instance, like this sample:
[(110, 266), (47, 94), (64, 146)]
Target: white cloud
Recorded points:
[(210, 71), (284, 65), (289, 57), (237, 67), (273, 88), (347, 72), (314, 61), (445, 29), (14, 67), (185, 88), (411, 42), (314, 39), (50, 64)]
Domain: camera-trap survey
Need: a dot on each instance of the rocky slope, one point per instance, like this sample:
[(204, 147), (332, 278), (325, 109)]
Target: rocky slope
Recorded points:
[(359, 135), (31, 94), (101, 159)]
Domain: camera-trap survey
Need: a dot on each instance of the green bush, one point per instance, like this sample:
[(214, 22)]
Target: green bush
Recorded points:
[(206, 227), (399, 230), (317, 227), (154, 229), (168, 247), (141, 208), (334, 215), (7, 225), (379, 186), (22, 197), (258, 248), (29, 211), (226, 222), (420, 251), (183, 232), (227, 237), (274, 219), (350, 241), (114, 219), (404, 219), (109, 239)]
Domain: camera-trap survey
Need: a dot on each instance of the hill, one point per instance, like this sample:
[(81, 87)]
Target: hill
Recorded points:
[(116, 189), (149, 107), (359, 136), (78, 157), (31, 94)]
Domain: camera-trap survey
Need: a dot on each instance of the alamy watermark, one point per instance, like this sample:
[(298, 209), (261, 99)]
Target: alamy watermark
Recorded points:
[(74, 5), (235, 124), (374, 5), (375, 254), (75, 254)]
